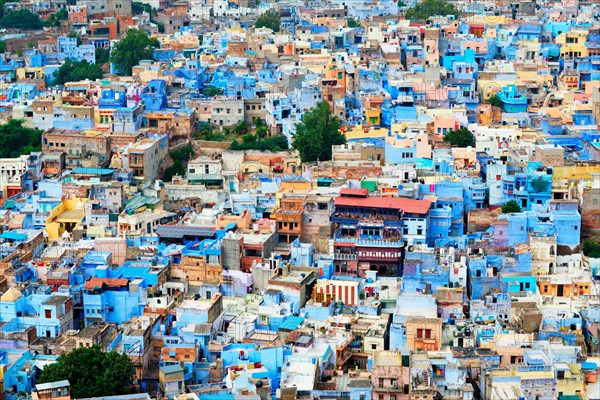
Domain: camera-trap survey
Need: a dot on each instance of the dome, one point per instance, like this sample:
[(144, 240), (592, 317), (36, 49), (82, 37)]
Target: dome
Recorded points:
[(11, 295)]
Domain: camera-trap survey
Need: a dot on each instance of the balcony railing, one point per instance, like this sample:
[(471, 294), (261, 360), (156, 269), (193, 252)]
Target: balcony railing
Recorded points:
[(369, 242), (345, 257)]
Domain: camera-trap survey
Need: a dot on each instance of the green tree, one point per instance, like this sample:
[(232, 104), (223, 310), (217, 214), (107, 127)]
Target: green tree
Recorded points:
[(270, 19), (75, 34), (495, 101), (132, 48), (139, 8), (253, 142), (352, 23), (92, 372), (241, 128), (460, 138), (430, 8), (591, 249), (74, 71), (511, 206), (21, 19), (184, 153), (55, 19), (211, 91), (2, 47), (16, 139), (316, 133), (102, 56), (181, 155)]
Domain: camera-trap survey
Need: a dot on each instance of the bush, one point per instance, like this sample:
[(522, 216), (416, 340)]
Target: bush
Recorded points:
[(211, 91), (352, 23), (511, 207), (495, 101), (591, 249), (252, 142)]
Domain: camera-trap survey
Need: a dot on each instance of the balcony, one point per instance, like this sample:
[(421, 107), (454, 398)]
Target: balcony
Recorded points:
[(369, 242), (345, 257)]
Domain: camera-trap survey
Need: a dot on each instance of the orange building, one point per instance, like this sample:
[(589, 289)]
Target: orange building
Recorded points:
[(564, 286), (288, 217), (423, 333)]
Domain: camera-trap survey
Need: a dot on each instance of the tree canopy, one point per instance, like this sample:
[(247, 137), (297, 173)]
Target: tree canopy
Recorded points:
[(55, 19), (16, 139), (254, 142), (92, 372), (495, 101), (132, 48), (211, 91), (138, 8), (21, 19), (270, 19), (591, 249), (74, 71), (352, 23), (460, 138), (180, 155), (316, 133), (511, 206), (430, 8), (75, 34)]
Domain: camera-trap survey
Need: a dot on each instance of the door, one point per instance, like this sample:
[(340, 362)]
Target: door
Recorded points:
[(560, 291)]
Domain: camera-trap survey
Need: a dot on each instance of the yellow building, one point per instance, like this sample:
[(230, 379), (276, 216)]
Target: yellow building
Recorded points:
[(573, 44), (64, 217), (360, 132), (30, 73)]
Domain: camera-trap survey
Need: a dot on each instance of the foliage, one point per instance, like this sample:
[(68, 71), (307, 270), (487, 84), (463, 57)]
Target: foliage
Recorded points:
[(21, 19), (591, 249), (511, 206), (55, 19), (180, 156), (352, 23), (74, 71), (261, 129), (139, 8), (316, 133), (184, 153), (102, 56), (132, 48), (2, 47), (75, 34), (270, 19), (16, 139), (460, 138), (160, 26), (401, 4), (430, 8), (253, 142), (211, 91), (92, 372), (495, 101), (241, 128)]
